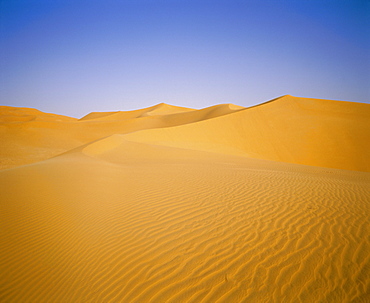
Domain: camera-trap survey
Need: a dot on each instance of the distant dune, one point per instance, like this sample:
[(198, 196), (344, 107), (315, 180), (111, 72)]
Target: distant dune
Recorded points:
[(296, 130), (170, 204)]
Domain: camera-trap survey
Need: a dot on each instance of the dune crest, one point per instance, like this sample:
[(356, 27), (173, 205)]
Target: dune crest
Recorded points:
[(333, 134), (159, 109), (167, 204), (24, 114), (39, 139)]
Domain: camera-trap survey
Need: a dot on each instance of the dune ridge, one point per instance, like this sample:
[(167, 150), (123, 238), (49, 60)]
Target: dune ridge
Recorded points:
[(326, 133), (39, 139), (159, 109), (171, 207), (333, 134)]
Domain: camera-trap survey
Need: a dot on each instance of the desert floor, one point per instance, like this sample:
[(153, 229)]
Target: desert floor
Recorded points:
[(170, 204)]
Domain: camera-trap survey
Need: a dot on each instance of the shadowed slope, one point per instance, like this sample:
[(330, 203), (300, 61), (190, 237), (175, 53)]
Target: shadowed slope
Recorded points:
[(297, 130), (306, 131), (38, 136)]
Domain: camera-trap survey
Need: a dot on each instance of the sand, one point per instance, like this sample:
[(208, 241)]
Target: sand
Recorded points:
[(170, 204)]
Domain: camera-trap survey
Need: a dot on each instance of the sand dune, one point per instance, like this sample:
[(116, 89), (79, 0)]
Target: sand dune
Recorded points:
[(159, 109), (38, 139), (168, 204), (296, 130), (23, 114)]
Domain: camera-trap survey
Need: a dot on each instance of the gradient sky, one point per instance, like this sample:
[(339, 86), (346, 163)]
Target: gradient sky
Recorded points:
[(74, 57)]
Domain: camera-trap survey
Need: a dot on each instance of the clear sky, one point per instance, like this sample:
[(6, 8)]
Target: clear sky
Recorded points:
[(74, 57)]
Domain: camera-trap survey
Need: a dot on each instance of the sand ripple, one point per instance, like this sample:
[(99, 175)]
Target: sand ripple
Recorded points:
[(215, 231)]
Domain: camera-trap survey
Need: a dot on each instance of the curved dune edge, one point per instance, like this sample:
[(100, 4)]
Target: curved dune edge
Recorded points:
[(159, 109), (187, 212), (27, 140), (333, 134), (325, 133)]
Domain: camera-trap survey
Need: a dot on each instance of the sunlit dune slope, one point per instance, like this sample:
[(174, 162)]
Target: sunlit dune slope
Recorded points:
[(29, 135), (159, 109), (325, 133), (297, 130), (23, 114), (168, 204), (120, 221)]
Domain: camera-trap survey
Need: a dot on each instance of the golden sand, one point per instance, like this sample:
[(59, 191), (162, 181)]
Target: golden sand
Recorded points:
[(169, 204)]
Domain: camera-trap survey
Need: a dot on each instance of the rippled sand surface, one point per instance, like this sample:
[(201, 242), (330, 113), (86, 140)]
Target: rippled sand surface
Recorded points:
[(170, 204)]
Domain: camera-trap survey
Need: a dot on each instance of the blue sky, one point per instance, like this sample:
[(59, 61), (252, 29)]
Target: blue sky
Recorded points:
[(74, 57)]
